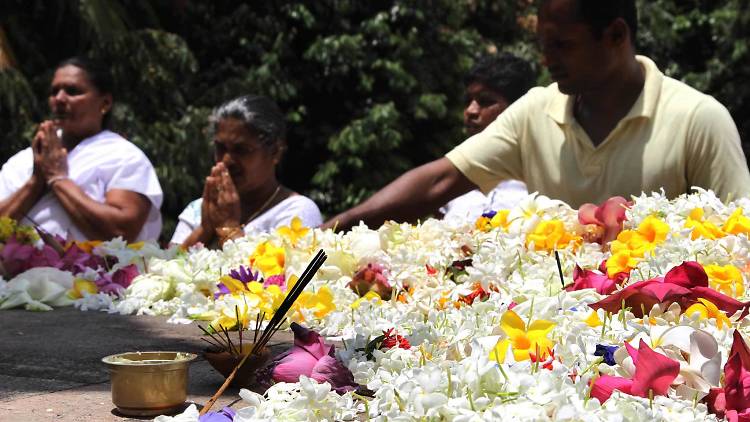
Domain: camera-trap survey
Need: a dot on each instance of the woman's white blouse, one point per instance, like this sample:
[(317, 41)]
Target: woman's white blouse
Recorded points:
[(98, 164), (279, 215)]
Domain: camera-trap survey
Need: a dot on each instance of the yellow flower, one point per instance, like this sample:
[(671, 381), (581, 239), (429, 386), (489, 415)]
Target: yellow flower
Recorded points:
[(86, 246), (137, 246), (368, 297), (708, 310), (524, 342), (621, 262), (727, 279), (653, 230), (701, 228), (7, 228), (593, 320), (499, 220), (80, 286), (26, 235), (550, 235), (232, 284), (632, 242), (321, 302), (737, 223), (294, 231), (631, 245), (269, 259), (239, 304)]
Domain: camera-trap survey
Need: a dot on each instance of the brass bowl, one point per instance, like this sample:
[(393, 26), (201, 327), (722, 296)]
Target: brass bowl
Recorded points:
[(225, 362), (148, 383)]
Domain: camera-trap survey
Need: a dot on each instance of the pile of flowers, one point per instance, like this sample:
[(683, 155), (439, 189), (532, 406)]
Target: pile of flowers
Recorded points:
[(42, 272), (626, 310)]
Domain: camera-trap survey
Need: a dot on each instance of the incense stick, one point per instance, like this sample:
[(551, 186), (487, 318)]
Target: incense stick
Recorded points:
[(278, 317), (559, 269)]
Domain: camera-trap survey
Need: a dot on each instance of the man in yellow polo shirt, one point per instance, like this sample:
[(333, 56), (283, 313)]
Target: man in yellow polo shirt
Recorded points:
[(612, 124)]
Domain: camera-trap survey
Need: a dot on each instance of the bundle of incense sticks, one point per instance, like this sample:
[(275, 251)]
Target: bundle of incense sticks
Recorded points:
[(224, 344), (47, 238), (278, 318)]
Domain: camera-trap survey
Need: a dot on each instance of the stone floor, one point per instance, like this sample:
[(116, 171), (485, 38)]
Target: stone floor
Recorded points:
[(51, 370)]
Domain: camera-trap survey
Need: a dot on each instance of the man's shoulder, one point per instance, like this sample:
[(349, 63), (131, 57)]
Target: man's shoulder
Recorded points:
[(680, 97)]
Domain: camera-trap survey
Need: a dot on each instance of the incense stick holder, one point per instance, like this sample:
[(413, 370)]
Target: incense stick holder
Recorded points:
[(225, 362)]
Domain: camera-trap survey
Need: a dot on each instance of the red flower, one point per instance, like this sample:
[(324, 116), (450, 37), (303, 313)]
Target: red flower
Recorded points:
[(478, 292), (587, 279), (683, 284), (392, 339), (733, 401), (654, 373)]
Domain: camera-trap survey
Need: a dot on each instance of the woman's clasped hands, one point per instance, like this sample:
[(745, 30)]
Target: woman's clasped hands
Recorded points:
[(50, 156), (221, 212)]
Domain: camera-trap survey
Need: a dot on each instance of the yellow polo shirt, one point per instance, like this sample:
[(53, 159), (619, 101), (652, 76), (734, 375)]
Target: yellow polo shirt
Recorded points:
[(674, 137)]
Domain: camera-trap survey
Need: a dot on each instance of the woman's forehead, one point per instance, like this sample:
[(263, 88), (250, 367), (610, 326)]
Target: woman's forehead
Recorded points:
[(233, 130), (71, 74)]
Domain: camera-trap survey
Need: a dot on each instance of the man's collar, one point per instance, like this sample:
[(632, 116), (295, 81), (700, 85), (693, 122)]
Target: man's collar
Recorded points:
[(560, 106)]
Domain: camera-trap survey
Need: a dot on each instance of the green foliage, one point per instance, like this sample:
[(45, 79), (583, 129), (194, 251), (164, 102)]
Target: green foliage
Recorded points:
[(370, 89)]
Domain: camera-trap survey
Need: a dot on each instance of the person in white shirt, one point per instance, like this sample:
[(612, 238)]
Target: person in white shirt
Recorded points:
[(493, 84), (79, 180), (242, 194)]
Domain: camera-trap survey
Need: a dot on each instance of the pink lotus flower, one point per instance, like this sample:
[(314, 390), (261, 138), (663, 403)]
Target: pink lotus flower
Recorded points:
[(733, 401), (654, 373), (609, 216), (683, 284), (312, 357), (587, 279)]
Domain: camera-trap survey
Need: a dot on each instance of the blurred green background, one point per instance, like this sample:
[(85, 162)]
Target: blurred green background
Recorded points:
[(370, 88)]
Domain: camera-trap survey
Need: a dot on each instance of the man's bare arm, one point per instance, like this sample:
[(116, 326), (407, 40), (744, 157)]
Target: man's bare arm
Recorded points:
[(413, 195)]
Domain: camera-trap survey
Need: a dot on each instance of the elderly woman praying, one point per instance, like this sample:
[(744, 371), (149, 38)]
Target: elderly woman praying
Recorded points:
[(242, 194)]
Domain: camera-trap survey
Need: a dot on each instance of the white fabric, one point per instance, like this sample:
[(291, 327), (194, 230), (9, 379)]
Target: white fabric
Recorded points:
[(279, 215), (97, 165), (473, 204)]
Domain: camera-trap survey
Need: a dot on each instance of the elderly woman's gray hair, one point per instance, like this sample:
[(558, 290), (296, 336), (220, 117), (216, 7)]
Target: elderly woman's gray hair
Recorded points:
[(261, 116)]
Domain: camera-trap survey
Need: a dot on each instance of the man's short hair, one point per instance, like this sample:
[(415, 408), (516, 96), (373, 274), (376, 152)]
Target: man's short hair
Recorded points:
[(600, 14), (508, 75)]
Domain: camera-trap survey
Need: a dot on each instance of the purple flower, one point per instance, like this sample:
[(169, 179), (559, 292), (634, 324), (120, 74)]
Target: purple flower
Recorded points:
[(607, 352), (116, 283), (76, 260), (489, 214), (244, 274), (224, 415), (312, 357)]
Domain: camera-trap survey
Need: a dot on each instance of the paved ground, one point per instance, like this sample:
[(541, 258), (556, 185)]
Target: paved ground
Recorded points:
[(51, 370)]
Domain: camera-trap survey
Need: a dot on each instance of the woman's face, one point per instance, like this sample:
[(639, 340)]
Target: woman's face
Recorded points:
[(77, 106), (250, 165)]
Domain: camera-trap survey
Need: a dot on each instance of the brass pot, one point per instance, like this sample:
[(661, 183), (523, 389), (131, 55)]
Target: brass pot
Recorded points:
[(225, 362), (148, 383)]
